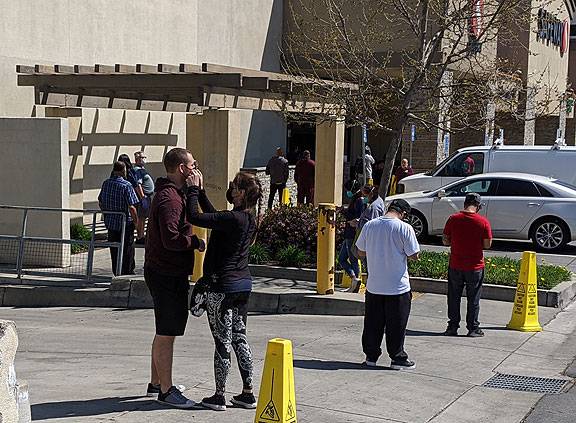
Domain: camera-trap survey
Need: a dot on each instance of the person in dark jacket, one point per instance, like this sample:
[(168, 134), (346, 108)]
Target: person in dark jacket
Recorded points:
[(279, 171), (346, 259), (169, 259), (226, 261), (304, 176), (403, 170)]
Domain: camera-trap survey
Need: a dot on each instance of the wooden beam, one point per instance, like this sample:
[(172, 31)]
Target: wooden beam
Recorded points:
[(104, 68), (186, 67), (142, 81), (146, 68), (165, 68), (25, 69), (83, 69), (63, 69), (120, 68), (255, 83), (44, 69)]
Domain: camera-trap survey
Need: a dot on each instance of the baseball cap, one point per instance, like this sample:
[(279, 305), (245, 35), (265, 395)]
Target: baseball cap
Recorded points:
[(400, 205), (472, 198)]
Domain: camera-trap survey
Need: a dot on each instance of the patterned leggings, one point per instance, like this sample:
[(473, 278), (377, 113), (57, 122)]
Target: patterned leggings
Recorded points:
[(227, 315)]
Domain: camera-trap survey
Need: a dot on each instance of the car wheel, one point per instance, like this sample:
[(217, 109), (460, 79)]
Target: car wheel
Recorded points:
[(550, 235), (418, 223)]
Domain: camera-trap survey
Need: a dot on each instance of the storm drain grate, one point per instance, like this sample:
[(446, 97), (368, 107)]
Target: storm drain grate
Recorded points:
[(542, 385)]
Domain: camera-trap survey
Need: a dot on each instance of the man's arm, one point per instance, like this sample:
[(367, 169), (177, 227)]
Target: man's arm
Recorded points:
[(415, 256), (134, 214), (139, 191), (446, 240), (360, 253), (487, 243)]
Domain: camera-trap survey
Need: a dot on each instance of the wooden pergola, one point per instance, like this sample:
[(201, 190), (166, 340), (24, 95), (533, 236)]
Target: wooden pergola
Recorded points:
[(177, 88)]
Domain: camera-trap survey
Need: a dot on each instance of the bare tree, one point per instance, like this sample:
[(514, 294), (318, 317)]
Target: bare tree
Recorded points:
[(431, 62)]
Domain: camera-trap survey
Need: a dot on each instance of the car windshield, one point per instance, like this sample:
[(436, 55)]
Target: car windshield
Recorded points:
[(442, 163)]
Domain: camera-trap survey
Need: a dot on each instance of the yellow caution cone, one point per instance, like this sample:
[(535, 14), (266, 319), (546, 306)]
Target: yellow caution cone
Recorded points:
[(525, 311), (286, 196), (276, 401)]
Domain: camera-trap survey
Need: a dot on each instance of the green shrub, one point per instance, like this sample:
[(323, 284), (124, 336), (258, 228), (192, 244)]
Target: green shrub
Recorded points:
[(285, 226), (499, 270), (259, 254), (82, 233), (291, 256)]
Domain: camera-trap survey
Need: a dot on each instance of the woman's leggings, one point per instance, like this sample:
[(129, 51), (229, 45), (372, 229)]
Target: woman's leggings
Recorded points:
[(227, 313)]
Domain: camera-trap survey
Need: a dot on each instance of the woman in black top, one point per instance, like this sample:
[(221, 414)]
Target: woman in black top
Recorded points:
[(233, 231)]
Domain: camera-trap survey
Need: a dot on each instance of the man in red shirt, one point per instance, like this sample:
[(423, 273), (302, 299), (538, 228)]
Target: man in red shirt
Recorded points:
[(468, 234), (304, 177)]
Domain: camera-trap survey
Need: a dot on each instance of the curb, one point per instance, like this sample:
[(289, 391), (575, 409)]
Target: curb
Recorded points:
[(134, 294), (559, 296)]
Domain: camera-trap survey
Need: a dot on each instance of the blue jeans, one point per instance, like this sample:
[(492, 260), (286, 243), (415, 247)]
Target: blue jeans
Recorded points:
[(348, 262)]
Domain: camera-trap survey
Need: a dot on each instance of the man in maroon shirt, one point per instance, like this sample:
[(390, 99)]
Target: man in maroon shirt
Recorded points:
[(169, 259), (304, 177), (468, 234)]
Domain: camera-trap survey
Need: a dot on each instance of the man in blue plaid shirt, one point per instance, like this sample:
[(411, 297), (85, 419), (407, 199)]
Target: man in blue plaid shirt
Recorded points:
[(118, 195)]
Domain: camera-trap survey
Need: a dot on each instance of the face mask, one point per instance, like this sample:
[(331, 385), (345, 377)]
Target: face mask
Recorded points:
[(365, 200), (229, 197), (349, 194)]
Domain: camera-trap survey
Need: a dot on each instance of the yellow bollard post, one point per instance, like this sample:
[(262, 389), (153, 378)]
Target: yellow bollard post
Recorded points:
[(277, 401), (201, 233), (525, 311), (326, 248), (286, 196)]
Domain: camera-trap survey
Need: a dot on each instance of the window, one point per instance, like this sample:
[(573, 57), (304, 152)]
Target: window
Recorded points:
[(481, 186), (465, 164), (513, 188), (544, 192)]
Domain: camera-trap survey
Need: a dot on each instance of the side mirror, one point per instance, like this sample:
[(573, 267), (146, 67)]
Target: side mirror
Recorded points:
[(441, 194)]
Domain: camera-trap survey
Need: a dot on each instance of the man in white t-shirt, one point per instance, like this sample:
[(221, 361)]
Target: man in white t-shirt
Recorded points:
[(388, 242)]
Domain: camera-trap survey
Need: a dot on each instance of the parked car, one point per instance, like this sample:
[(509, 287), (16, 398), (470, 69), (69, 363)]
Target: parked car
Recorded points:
[(553, 161), (518, 206)]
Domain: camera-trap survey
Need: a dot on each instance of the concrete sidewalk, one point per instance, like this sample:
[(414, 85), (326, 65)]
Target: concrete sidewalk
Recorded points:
[(91, 365)]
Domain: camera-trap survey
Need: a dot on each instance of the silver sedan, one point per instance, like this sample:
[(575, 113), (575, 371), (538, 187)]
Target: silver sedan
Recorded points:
[(518, 206)]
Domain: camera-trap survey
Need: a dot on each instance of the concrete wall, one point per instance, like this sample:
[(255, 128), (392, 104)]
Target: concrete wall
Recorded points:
[(36, 174), (144, 31)]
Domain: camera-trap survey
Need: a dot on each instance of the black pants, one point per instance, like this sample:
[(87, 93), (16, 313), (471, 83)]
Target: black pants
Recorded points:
[(385, 314), (227, 315), (473, 280), (128, 263), (273, 189)]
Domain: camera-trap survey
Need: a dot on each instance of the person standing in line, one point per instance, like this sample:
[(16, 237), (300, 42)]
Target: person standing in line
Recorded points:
[(278, 170), (467, 233), (403, 170), (145, 181), (346, 259), (304, 175), (169, 259), (388, 242), (226, 263), (118, 195), (369, 162)]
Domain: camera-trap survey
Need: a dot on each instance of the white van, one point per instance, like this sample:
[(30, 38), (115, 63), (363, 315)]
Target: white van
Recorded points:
[(553, 161)]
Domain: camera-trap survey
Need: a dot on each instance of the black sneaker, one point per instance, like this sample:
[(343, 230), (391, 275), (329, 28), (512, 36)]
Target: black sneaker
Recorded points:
[(402, 365), (475, 333), (215, 402), (154, 390), (174, 398), (451, 331), (245, 400)]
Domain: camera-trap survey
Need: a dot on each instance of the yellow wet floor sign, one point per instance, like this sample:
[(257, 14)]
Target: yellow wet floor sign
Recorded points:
[(276, 401), (525, 311)]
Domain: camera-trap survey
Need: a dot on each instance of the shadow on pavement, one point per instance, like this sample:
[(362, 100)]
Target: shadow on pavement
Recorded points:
[(334, 365), (93, 407), (410, 332)]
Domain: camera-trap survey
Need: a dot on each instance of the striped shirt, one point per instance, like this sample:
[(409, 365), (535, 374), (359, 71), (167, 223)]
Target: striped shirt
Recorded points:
[(117, 195)]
